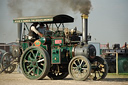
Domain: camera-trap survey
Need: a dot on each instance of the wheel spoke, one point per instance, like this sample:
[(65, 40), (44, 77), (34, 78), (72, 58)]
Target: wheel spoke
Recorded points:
[(74, 67), (30, 57), (8, 57), (75, 64), (32, 53), (36, 54), (40, 60), (78, 74), (84, 65), (81, 63), (99, 73), (37, 71), (34, 70), (40, 68), (78, 61), (29, 66), (30, 71), (27, 61), (84, 69), (95, 76), (40, 57)]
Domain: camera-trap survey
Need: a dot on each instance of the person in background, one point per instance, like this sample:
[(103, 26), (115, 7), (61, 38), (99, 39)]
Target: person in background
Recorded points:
[(33, 32)]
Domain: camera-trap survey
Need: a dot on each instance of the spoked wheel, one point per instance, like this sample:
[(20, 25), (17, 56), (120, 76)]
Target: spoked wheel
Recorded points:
[(35, 63), (7, 63), (56, 76), (79, 68), (99, 68)]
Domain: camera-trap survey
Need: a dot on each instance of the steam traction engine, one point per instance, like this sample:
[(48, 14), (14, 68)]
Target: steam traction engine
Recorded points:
[(60, 52)]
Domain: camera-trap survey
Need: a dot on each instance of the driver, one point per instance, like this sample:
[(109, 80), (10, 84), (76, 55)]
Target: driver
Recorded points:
[(42, 28), (33, 32)]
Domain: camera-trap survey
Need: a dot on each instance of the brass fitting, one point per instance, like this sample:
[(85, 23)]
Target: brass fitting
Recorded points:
[(84, 16)]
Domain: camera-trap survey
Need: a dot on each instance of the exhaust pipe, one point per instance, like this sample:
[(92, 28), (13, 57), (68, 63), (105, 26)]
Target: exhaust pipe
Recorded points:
[(84, 28), (85, 49)]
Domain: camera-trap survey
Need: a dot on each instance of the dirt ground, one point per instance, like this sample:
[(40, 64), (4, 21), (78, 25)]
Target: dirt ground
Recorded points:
[(19, 79)]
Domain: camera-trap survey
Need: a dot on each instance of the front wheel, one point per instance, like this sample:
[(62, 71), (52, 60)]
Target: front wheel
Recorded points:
[(79, 68), (35, 63)]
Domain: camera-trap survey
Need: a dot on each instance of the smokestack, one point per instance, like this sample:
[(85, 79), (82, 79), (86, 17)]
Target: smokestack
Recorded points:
[(84, 28)]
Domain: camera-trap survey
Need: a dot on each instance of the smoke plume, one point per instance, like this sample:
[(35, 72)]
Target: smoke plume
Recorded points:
[(83, 6), (36, 7), (15, 7), (47, 7)]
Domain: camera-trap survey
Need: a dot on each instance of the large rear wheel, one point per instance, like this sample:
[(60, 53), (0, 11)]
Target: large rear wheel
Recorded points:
[(35, 63), (79, 68)]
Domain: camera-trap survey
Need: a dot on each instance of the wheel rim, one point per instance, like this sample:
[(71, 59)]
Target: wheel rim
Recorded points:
[(99, 69), (6, 62), (79, 68), (34, 63)]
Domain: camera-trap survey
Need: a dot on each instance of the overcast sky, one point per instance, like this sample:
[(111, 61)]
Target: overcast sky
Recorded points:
[(108, 19)]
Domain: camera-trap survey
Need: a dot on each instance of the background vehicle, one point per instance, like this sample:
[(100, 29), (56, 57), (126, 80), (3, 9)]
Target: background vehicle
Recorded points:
[(117, 58), (7, 64)]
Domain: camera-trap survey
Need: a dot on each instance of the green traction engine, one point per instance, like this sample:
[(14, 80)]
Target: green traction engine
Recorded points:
[(60, 52)]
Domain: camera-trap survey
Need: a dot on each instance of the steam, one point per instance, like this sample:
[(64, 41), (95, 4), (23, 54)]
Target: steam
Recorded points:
[(47, 7)]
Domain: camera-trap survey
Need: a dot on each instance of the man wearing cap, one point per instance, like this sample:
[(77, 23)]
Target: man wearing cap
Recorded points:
[(42, 28), (33, 32)]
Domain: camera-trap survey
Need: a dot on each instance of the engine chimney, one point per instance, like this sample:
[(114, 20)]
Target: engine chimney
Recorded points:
[(84, 28)]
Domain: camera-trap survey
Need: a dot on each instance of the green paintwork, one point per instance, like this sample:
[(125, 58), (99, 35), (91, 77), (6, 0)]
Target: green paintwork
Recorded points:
[(24, 45), (56, 56), (70, 51), (61, 55), (122, 64), (66, 54), (44, 46), (42, 40)]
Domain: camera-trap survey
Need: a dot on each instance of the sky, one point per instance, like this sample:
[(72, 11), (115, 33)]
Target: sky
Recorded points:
[(108, 19)]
